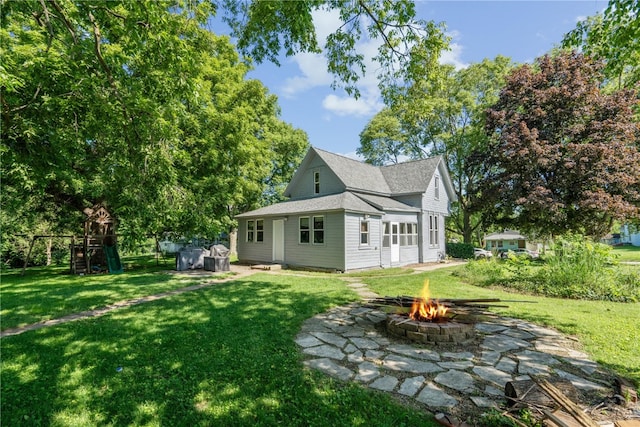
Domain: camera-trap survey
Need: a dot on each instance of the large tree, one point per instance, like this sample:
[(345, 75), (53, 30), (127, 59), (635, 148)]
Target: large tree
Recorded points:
[(613, 37), (134, 104), (564, 155), (444, 115), (408, 51)]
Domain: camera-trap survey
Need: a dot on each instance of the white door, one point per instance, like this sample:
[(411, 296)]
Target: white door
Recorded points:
[(395, 243), (278, 240)]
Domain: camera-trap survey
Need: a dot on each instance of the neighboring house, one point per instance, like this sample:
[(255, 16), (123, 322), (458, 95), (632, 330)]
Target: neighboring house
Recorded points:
[(504, 241), (629, 234), (344, 215)]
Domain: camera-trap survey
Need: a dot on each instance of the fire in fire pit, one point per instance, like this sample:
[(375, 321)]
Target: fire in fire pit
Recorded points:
[(424, 309), (429, 321), (444, 321)]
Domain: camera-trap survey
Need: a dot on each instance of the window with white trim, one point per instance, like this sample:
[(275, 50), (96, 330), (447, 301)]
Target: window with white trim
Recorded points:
[(316, 182), (364, 233), (436, 190), (255, 230), (433, 230), (386, 234), (413, 234), (250, 230), (403, 234), (260, 230), (304, 229), (318, 229)]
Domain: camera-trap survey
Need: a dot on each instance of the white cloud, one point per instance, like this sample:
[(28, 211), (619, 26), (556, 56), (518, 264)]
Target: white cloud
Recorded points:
[(349, 106), (453, 56), (313, 73)]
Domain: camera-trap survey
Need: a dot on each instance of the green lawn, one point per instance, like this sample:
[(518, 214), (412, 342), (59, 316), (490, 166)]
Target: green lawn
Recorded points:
[(627, 253), (225, 355), (220, 356), (609, 331), (51, 292)]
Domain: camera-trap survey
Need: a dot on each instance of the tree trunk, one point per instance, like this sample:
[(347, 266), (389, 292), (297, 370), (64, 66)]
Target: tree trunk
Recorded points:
[(233, 241), (49, 245), (467, 232)]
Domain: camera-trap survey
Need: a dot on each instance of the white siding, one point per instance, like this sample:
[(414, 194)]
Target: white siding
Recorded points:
[(329, 182), (408, 254), (255, 251), (362, 256), (329, 255)]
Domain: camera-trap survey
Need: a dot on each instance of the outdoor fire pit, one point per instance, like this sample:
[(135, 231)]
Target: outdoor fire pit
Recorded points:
[(428, 321), (448, 331)]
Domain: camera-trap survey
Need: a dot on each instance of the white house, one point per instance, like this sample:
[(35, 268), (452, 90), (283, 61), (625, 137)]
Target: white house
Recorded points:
[(344, 215)]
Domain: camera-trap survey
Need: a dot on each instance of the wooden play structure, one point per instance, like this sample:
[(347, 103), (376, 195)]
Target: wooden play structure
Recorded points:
[(96, 251)]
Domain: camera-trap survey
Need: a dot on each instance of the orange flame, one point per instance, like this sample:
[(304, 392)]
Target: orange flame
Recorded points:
[(425, 309)]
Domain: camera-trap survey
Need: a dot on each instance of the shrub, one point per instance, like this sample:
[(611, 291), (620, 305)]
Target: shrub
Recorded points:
[(460, 250), (575, 268)]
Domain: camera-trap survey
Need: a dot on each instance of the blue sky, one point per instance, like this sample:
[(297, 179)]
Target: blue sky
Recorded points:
[(521, 30)]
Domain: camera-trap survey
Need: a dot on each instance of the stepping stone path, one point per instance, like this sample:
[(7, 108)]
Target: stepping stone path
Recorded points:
[(349, 343)]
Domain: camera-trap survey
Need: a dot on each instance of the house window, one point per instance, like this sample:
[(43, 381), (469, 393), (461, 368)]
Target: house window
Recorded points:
[(318, 229), (250, 230), (260, 230), (364, 232), (436, 183), (304, 229), (316, 183), (433, 230), (413, 234), (386, 231), (403, 234), (255, 230), (394, 234)]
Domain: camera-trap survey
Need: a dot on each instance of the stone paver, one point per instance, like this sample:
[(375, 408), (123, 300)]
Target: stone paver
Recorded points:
[(410, 386), (386, 383), (435, 397), (347, 343)]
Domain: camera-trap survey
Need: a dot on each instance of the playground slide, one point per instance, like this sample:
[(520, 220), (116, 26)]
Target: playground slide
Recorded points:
[(113, 259)]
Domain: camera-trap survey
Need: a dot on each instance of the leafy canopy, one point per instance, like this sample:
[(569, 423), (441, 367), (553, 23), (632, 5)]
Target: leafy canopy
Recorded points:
[(564, 156), (136, 105)]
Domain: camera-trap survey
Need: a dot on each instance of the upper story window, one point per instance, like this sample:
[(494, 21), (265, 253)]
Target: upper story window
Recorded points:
[(255, 230), (316, 182), (436, 189)]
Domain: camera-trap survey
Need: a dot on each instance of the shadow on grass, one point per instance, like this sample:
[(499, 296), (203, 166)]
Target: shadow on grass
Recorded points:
[(47, 293), (221, 356)]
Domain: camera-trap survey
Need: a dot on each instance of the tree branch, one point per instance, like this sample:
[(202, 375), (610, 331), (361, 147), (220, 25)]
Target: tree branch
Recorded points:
[(65, 20)]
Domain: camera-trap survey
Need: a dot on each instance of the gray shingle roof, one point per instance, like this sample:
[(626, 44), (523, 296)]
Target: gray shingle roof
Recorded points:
[(354, 174), (401, 178), (387, 203), (410, 177), (346, 201)]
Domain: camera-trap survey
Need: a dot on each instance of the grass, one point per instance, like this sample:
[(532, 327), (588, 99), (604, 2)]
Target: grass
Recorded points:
[(627, 253), (45, 293), (224, 355), (609, 331)]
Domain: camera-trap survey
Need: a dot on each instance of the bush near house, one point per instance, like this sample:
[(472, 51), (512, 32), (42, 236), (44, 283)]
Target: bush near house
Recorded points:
[(460, 250), (576, 267)]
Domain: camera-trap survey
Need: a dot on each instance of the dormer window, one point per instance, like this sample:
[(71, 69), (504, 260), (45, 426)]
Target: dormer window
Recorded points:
[(436, 190), (316, 182)]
